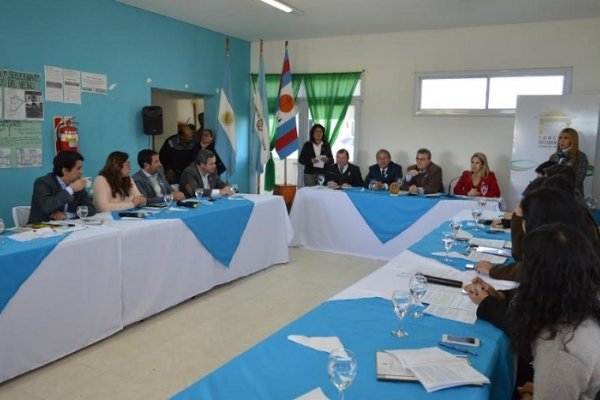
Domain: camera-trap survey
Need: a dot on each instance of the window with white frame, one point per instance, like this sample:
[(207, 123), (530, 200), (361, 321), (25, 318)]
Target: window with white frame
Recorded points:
[(481, 93)]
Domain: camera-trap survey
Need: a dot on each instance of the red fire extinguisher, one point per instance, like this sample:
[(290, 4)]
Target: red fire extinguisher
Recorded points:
[(67, 136)]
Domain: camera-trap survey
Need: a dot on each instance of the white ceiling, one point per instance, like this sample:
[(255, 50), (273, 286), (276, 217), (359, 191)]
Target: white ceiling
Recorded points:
[(252, 20)]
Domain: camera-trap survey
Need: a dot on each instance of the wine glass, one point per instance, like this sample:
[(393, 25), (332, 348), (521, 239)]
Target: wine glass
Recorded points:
[(168, 197), (448, 240), (82, 212), (476, 213), (401, 301), (320, 180), (418, 287), (484, 188), (482, 202), (234, 188), (199, 193), (341, 367), (455, 226), (372, 184)]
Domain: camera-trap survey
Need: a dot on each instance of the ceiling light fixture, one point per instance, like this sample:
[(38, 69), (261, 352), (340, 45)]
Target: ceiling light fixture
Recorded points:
[(282, 6)]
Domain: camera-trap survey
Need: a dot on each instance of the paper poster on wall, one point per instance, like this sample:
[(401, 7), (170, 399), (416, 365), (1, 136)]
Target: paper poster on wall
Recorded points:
[(538, 122), (72, 86), (53, 83), (20, 144), (94, 83), (23, 99)]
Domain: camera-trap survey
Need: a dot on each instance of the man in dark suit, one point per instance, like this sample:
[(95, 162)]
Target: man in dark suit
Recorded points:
[(342, 173), (383, 173), (150, 180), (202, 174), (424, 177), (57, 195)]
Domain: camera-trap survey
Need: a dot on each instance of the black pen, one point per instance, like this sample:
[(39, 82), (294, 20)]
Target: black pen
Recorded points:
[(457, 348)]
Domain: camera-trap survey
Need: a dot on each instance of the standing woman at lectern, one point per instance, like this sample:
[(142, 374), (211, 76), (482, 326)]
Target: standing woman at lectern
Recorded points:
[(568, 153), (315, 155)]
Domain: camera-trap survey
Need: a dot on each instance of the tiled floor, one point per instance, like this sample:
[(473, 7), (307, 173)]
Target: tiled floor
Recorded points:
[(158, 357)]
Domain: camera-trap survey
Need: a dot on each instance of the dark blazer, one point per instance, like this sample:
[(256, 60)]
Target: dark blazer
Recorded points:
[(308, 153), (220, 166), (145, 187), (430, 180), (351, 176), (393, 173), (49, 197), (192, 180), (176, 156)]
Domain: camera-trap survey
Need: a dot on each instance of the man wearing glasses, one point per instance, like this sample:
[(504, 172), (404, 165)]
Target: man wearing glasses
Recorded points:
[(424, 177)]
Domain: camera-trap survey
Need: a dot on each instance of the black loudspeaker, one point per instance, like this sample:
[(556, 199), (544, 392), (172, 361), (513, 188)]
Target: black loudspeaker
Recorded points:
[(152, 118)]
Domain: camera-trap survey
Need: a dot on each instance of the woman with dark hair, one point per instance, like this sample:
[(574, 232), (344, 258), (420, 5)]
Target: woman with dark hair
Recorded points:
[(568, 153), (315, 155), (479, 181), (114, 189), (555, 314), (207, 142)]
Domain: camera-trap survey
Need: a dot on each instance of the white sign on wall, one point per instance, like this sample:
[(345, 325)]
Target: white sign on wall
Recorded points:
[(538, 121)]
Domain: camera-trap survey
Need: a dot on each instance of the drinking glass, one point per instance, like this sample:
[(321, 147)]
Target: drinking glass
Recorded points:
[(482, 202), (82, 212), (455, 225), (401, 301), (448, 240), (341, 367), (320, 180), (234, 188), (484, 189), (476, 213), (168, 197), (198, 193), (418, 287), (372, 184)]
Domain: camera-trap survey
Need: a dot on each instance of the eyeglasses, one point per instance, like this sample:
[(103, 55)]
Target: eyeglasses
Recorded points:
[(422, 158)]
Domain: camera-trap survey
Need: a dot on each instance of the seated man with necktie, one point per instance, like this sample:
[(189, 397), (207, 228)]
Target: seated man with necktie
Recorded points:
[(57, 195), (424, 177), (383, 173), (202, 174), (151, 181), (342, 173)]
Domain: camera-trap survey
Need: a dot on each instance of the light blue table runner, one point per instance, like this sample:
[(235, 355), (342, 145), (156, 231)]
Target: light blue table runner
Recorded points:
[(278, 368), (218, 226), (386, 215), (18, 260), (432, 242)]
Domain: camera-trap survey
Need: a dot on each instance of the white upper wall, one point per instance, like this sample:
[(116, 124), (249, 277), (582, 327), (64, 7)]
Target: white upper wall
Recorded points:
[(390, 62)]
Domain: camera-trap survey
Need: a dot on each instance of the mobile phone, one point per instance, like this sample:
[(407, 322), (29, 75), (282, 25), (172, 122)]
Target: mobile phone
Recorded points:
[(132, 214), (462, 340)]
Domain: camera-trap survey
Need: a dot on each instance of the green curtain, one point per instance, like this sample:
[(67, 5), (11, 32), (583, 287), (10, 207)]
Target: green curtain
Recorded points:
[(329, 96), (272, 94)]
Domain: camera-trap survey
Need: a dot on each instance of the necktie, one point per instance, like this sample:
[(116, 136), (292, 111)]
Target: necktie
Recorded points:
[(383, 172)]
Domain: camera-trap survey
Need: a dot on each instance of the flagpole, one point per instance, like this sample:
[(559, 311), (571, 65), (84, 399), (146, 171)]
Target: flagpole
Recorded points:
[(258, 175), (285, 159)]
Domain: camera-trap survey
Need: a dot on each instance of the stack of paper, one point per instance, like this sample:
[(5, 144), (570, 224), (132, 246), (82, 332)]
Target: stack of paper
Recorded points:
[(434, 368)]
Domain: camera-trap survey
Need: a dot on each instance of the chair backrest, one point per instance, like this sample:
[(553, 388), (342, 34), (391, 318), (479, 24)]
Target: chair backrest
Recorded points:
[(451, 185), (21, 215)]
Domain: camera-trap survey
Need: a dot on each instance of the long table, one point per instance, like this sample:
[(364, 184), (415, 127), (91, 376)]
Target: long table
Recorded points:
[(361, 317), (100, 279), (327, 220)]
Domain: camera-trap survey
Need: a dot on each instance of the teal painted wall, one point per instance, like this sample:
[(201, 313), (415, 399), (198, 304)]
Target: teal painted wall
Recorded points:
[(128, 45)]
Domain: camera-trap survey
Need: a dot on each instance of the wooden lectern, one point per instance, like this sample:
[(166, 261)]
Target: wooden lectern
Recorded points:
[(288, 192)]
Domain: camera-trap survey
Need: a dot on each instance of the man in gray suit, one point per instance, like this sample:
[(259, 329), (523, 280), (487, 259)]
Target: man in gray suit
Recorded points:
[(57, 195), (202, 173), (151, 181)]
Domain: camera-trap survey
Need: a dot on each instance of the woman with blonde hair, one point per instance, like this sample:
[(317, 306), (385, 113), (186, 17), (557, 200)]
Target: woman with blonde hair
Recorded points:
[(114, 189), (568, 153), (479, 181)]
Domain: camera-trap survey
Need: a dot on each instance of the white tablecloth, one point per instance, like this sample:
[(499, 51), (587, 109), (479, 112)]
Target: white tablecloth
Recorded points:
[(72, 300), (100, 279), (164, 264), (326, 220)]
